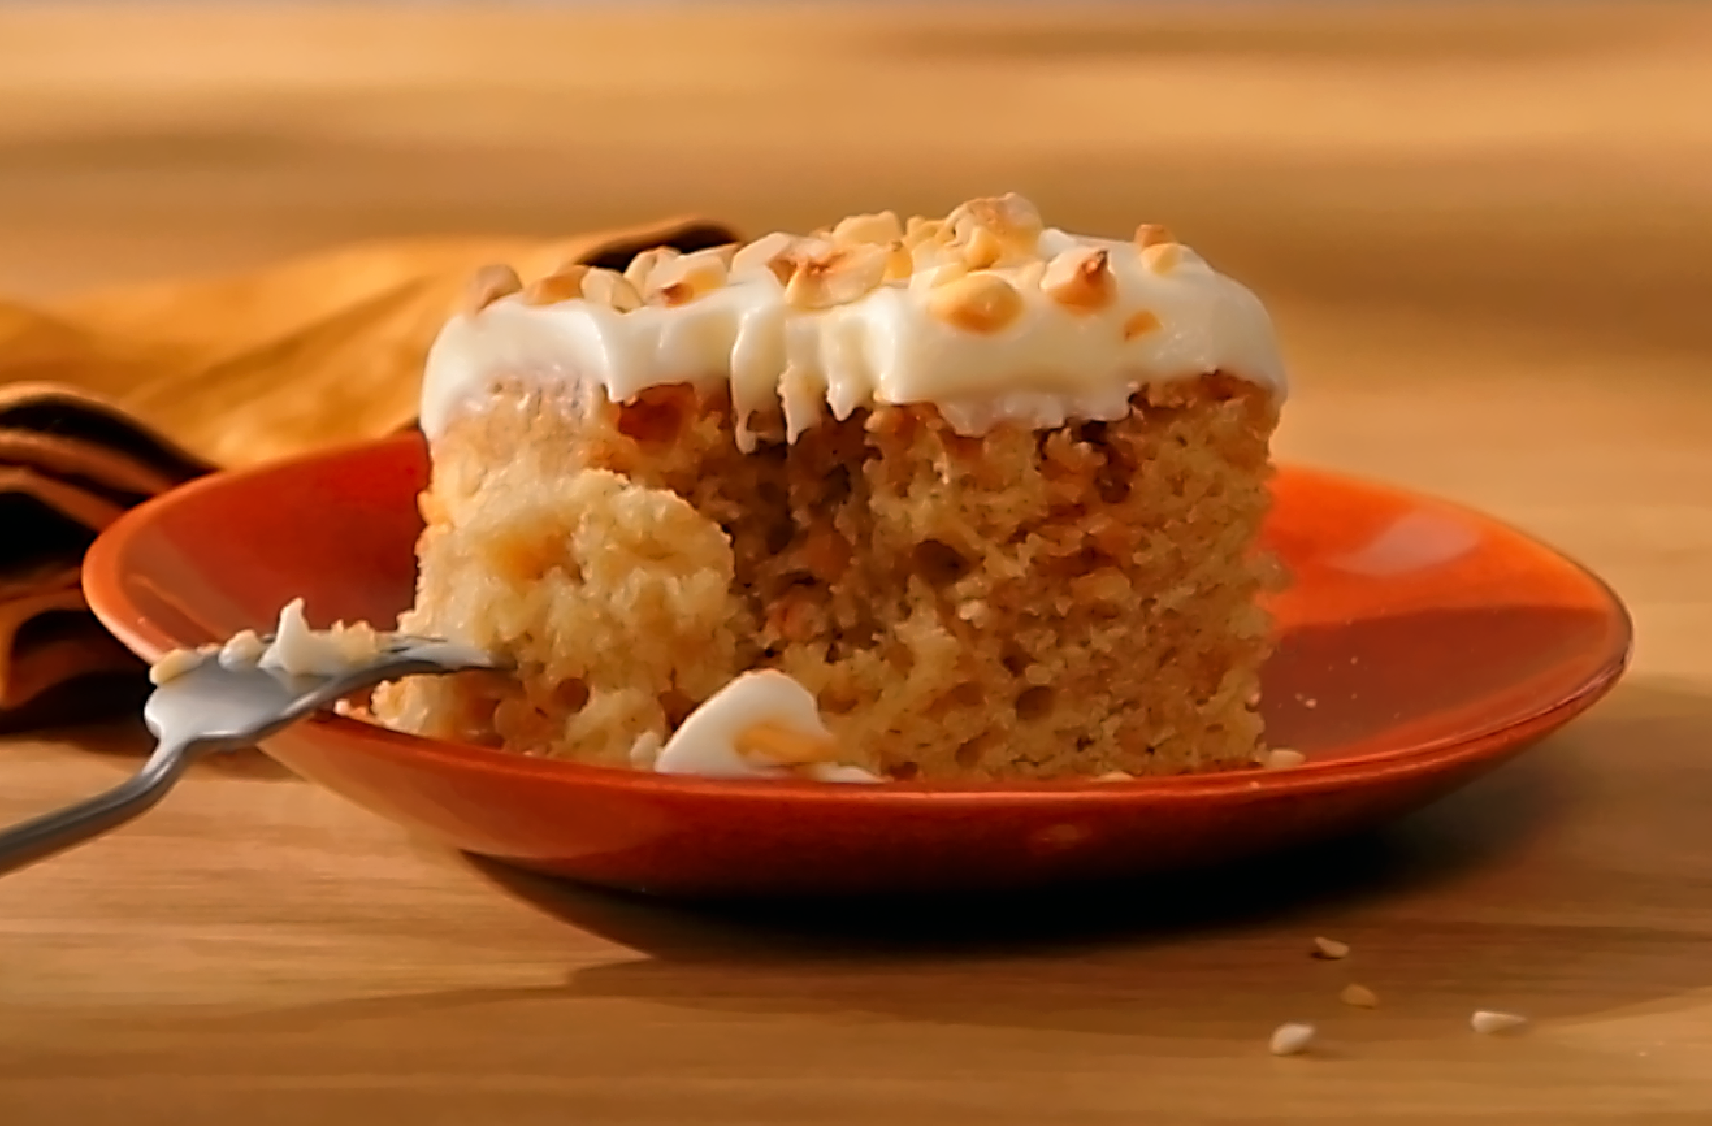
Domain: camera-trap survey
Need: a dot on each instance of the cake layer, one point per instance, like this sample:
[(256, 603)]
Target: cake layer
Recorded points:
[(1029, 604)]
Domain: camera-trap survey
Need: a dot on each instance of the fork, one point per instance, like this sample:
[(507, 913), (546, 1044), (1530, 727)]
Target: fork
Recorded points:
[(211, 707)]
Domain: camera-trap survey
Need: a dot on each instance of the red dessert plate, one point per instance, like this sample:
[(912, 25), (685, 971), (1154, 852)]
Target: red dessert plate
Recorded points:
[(1420, 644)]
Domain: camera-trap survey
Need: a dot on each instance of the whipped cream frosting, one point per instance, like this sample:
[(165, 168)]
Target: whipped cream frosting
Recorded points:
[(709, 741), (296, 649), (987, 314)]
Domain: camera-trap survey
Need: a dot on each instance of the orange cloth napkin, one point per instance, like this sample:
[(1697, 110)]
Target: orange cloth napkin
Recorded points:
[(114, 397)]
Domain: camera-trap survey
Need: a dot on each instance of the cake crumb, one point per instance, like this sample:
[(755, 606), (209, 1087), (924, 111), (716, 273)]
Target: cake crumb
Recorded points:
[(1489, 1023), (1282, 758), (173, 665), (245, 647), (1291, 1039), (645, 750), (1115, 776), (1330, 948), (1359, 996)]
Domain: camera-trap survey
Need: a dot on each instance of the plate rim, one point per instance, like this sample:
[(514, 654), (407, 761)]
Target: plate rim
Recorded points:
[(105, 594)]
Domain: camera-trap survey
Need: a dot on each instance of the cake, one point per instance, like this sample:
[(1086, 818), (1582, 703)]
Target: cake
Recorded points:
[(988, 492)]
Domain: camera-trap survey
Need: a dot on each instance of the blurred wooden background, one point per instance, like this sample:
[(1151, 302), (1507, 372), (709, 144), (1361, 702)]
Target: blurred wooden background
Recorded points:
[(1484, 230), (1542, 168), (1506, 206)]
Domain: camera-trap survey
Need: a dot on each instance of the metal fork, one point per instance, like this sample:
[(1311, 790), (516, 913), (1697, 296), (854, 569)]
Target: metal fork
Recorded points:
[(211, 707)]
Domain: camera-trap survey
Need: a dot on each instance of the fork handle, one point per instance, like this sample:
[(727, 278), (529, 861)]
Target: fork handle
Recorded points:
[(51, 833)]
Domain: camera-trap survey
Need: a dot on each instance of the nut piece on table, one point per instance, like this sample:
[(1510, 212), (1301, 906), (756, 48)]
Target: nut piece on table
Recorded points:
[(1330, 948), (1359, 996), (1291, 1039), (1493, 1024)]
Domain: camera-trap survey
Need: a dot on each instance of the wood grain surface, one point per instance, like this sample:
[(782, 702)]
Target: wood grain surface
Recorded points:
[(1484, 232)]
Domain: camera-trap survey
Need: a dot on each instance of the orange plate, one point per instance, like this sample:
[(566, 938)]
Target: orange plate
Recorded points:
[(1421, 644)]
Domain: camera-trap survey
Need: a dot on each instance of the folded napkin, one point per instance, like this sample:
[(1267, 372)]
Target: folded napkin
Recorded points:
[(114, 397)]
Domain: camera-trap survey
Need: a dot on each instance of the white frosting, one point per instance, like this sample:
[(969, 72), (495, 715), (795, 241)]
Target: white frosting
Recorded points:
[(299, 650), (246, 647), (175, 664), (1049, 363), (706, 742)]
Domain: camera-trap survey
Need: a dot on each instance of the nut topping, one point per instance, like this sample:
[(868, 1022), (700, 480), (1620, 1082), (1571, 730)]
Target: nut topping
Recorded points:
[(779, 745), (609, 287), (489, 284), (836, 277), (769, 252), (882, 228), (1162, 257), (1151, 234), (900, 263), (563, 284), (1010, 217), (1139, 324), (642, 266), (920, 231), (981, 302), (684, 278), (1081, 280), (982, 249)]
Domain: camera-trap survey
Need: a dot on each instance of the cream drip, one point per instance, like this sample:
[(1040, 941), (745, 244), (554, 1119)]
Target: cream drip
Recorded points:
[(1161, 314), (708, 741)]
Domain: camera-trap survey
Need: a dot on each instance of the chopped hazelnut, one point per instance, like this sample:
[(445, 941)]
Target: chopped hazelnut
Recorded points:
[(1151, 234), (882, 228), (563, 284), (1011, 217), (900, 264), (1330, 948), (1139, 324), (642, 267), (1162, 257), (980, 302), (609, 287), (767, 252), (1291, 1039), (687, 277), (774, 743), (838, 277), (919, 231), (1081, 280), (489, 284)]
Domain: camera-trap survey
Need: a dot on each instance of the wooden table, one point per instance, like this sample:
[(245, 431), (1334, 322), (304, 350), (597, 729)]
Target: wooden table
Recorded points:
[(1484, 234)]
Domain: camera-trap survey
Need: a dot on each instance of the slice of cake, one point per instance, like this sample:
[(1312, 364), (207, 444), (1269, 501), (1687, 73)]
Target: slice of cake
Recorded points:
[(987, 490)]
